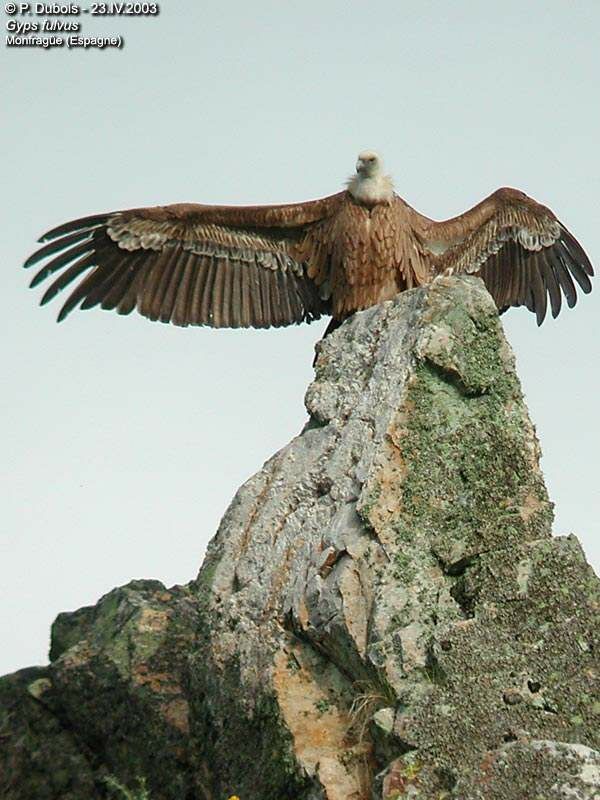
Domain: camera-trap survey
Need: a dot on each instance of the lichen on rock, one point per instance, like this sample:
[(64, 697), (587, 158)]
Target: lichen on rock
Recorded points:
[(382, 614)]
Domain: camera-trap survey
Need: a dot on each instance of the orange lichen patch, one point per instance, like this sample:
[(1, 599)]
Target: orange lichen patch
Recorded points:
[(176, 712), (319, 724), (77, 655), (389, 474), (531, 506), (401, 779), (280, 578), (302, 613), (152, 620), (398, 428), (330, 556), (159, 682), (355, 606), (463, 626), (258, 507), (486, 767)]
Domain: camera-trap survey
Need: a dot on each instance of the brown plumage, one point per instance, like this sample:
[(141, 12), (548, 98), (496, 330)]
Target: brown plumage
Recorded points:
[(264, 266)]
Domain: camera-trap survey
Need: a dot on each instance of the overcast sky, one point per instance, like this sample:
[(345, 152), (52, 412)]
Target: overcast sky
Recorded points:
[(124, 440)]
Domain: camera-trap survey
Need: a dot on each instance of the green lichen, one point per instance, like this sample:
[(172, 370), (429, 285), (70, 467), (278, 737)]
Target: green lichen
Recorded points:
[(121, 791), (404, 567), (468, 466), (368, 501), (407, 776), (257, 742), (323, 705)]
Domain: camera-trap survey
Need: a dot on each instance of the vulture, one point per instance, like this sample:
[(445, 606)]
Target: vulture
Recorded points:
[(273, 265)]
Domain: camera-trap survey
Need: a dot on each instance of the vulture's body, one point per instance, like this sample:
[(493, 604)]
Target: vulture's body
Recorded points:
[(262, 266)]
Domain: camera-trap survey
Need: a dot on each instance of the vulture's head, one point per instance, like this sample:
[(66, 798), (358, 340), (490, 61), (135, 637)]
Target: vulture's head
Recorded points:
[(368, 164)]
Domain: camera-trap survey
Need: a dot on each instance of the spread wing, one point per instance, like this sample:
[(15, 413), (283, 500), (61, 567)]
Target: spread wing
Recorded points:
[(520, 249), (222, 266)]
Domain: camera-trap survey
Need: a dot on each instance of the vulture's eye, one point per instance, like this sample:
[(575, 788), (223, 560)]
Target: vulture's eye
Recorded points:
[(372, 158)]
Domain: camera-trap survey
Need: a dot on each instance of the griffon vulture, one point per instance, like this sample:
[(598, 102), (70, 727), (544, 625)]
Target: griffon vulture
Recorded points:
[(263, 266)]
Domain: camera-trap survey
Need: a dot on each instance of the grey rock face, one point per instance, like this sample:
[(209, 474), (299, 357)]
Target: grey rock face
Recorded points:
[(382, 614)]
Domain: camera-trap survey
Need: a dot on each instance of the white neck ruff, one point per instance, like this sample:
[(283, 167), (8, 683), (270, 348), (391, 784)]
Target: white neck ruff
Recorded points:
[(371, 190)]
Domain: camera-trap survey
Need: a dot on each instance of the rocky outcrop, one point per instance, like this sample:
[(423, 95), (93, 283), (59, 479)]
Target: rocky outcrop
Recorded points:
[(383, 612)]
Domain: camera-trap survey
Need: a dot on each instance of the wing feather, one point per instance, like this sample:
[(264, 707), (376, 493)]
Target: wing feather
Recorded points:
[(74, 271), (577, 268), (173, 288), (162, 277), (564, 278), (283, 299), (236, 296), (549, 279), (525, 279), (78, 294), (116, 289), (182, 301), (197, 292), (218, 292), (55, 246), (524, 254), (245, 289), (129, 300), (60, 261), (114, 279), (81, 224), (206, 305), (228, 308), (578, 254), (101, 281), (262, 300), (538, 290), (189, 264)]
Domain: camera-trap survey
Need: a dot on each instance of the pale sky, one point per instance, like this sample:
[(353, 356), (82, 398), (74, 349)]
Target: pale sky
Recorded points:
[(125, 440)]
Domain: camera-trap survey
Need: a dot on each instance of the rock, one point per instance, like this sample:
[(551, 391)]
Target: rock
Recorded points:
[(545, 769), (112, 702), (40, 758), (382, 614)]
